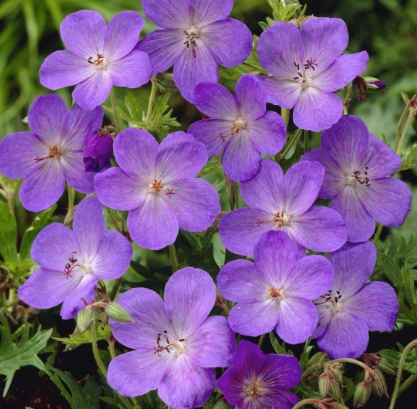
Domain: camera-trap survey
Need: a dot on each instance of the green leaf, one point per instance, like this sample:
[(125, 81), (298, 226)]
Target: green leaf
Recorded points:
[(393, 357), (278, 348), (14, 355), (8, 234), (409, 156), (75, 340), (211, 166)]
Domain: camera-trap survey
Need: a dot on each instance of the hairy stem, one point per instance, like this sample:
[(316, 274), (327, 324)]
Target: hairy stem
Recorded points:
[(409, 381), (173, 257), (115, 288), (151, 100), (355, 362), (306, 402), (70, 210), (293, 141), (96, 354), (400, 126), (261, 340), (404, 132), (378, 232), (114, 108), (285, 113)]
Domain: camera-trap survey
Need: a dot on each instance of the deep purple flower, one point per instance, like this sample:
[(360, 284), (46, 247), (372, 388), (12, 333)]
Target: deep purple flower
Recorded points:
[(97, 153), (176, 343), (98, 57), (275, 292), (158, 185), (308, 68), (358, 166), (279, 202), (52, 153), (195, 36), (256, 381), (72, 261), (239, 126), (352, 307)]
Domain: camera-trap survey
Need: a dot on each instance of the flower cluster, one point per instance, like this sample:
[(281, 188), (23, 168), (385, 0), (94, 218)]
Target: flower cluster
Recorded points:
[(176, 342)]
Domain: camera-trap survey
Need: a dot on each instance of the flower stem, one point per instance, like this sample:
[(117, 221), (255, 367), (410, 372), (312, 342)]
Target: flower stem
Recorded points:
[(404, 132), (400, 125), (293, 141), (409, 381), (173, 257), (151, 100), (96, 354), (401, 364), (378, 232), (285, 113), (306, 141), (114, 108), (261, 340), (115, 288), (70, 210), (355, 362), (347, 100), (306, 402)]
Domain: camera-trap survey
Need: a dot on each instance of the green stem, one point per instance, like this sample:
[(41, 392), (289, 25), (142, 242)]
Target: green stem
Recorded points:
[(404, 131), (306, 402), (401, 364), (355, 362), (378, 232), (261, 340), (115, 288), (306, 140), (70, 209), (347, 100), (151, 100), (173, 257), (236, 195), (96, 354), (409, 381), (293, 141), (400, 126), (285, 113), (114, 108)]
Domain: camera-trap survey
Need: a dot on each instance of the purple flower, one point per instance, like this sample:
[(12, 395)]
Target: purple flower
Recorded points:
[(279, 202), (195, 36), (98, 57), (352, 307), (176, 343), (157, 184), (97, 153), (239, 126), (72, 261), (256, 381), (310, 68), (358, 166), (52, 153), (275, 292)]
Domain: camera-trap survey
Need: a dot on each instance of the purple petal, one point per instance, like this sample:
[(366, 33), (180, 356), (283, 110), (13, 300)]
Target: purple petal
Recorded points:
[(264, 191), (186, 385), (280, 48), (179, 157), (214, 344), (122, 34), (190, 70), (148, 312), (136, 373), (297, 319), (229, 40), (85, 290), (317, 110), (216, 101), (209, 11), (319, 229), (353, 265), (167, 14), (135, 152), (251, 97), (346, 337), (342, 71), (359, 223), (268, 133), (283, 371), (195, 203), (153, 225), (302, 184), (18, 152), (75, 174), (131, 71), (93, 91), (189, 297), (210, 132), (280, 399), (117, 190), (324, 40), (83, 33), (64, 69), (281, 92), (325, 316), (43, 187), (240, 281), (241, 229)]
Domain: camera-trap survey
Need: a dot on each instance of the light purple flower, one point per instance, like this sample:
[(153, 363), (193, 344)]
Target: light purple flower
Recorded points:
[(72, 261), (196, 35), (275, 292), (279, 202), (176, 344), (52, 153), (157, 184), (308, 69), (98, 57), (240, 127), (358, 166), (256, 381), (97, 153), (352, 307)]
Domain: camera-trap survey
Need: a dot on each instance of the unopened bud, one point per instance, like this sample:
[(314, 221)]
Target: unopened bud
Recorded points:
[(222, 404), (362, 394), (118, 313), (324, 384), (374, 84), (378, 384), (360, 88), (386, 366), (84, 320)]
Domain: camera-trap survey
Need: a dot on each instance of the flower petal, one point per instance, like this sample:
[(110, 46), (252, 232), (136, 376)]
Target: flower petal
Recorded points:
[(167, 14), (75, 174), (209, 11), (251, 97), (189, 297), (284, 371), (284, 93)]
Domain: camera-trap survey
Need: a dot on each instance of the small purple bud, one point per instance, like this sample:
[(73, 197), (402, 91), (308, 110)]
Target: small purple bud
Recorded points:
[(360, 88), (97, 153), (374, 84)]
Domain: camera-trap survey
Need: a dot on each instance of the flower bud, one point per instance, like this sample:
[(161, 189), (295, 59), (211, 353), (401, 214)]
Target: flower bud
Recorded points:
[(84, 320), (222, 404), (374, 84), (386, 366), (324, 384), (378, 384), (97, 153), (362, 394), (360, 88), (118, 313)]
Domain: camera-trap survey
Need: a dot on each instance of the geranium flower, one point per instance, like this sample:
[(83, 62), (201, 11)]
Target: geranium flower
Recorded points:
[(52, 153), (239, 125), (257, 381), (195, 36), (176, 343), (279, 202), (98, 57), (275, 292), (308, 68), (358, 166), (72, 261), (352, 307), (157, 184)]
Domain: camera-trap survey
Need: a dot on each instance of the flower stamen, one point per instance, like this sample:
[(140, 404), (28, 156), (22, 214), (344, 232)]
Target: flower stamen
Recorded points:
[(155, 187), (55, 151)]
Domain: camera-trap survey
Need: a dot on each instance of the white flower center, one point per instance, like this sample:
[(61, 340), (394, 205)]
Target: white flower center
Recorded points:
[(99, 61)]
